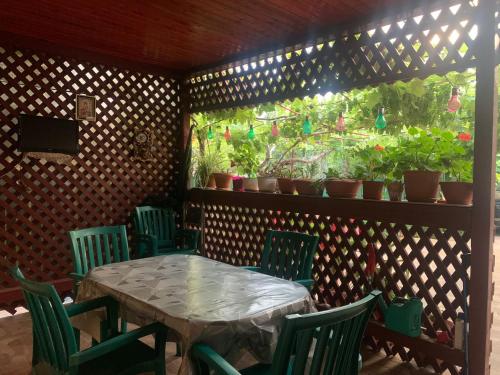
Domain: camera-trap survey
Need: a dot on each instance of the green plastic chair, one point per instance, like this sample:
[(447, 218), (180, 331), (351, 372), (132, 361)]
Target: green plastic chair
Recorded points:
[(156, 233), (56, 349), (288, 255), (94, 247), (333, 337)]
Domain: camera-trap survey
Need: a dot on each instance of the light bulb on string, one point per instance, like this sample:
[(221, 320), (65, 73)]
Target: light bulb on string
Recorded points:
[(210, 134), (251, 133), (454, 102), (227, 134), (380, 122), (340, 127), (274, 129), (307, 127)]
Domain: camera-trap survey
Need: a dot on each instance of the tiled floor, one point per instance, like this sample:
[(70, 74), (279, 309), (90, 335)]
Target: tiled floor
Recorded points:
[(15, 344), (15, 352)]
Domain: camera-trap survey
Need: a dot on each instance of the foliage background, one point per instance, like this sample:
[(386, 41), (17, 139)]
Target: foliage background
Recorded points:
[(416, 103)]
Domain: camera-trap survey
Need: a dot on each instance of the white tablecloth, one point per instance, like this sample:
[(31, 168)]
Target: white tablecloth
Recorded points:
[(236, 311)]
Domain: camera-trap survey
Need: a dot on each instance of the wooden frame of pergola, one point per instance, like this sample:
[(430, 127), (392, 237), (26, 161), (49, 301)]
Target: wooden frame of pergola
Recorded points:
[(354, 55)]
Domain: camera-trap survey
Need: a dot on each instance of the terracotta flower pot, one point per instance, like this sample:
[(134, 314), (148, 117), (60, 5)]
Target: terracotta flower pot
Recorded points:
[(373, 190), (211, 182), (286, 186), (267, 184), (250, 184), (223, 181), (342, 188), (306, 186), (421, 186), (457, 192), (237, 183), (395, 190)]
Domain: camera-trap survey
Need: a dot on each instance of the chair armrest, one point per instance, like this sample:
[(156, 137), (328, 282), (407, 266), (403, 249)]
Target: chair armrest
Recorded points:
[(114, 343), (308, 283), (206, 355), (111, 311), (190, 238), (252, 268), (77, 277), (146, 244)]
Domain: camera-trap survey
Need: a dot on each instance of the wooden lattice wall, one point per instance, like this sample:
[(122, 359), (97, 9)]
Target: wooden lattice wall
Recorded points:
[(39, 200), (433, 40), (419, 250)]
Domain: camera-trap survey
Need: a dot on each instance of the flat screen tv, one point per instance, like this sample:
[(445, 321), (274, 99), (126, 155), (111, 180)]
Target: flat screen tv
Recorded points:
[(45, 134)]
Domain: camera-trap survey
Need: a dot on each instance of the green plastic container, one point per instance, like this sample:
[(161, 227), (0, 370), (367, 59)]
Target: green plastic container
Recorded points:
[(404, 316)]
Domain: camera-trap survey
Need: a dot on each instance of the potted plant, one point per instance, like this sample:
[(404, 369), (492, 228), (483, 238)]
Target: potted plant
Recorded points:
[(286, 183), (205, 166), (267, 182), (223, 180), (391, 169), (457, 157), (420, 159), (307, 184), (370, 167), (343, 180), (342, 183), (247, 164)]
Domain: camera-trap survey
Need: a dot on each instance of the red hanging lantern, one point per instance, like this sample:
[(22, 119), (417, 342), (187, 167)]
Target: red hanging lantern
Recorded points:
[(274, 129), (227, 134)]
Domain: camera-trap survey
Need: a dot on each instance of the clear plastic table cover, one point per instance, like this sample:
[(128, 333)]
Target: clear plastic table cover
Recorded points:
[(236, 311)]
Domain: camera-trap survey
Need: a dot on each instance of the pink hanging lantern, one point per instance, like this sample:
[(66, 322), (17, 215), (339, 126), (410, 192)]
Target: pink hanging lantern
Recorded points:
[(454, 102), (274, 130), (227, 134), (340, 123)]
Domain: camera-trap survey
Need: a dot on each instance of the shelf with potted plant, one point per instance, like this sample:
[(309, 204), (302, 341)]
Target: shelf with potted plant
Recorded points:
[(457, 158), (247, 165), (371, 169), (419, 156), (342, 183), (206, 164), (308, 183)]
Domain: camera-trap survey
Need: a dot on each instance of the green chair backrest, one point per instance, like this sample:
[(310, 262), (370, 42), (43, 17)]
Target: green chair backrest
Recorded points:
[(333, 337), (288, 255), (52, 331), (157, 221), (94, 247)]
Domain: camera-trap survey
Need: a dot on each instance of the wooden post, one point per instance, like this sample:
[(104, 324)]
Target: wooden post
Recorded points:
[(484, 187)]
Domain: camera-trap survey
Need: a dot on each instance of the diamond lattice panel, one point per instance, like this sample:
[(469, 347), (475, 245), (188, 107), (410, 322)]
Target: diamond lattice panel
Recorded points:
[(419, 253), (431, 41), (42, 200)]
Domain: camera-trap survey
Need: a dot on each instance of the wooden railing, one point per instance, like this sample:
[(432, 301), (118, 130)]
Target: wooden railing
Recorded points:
[(418, 248)]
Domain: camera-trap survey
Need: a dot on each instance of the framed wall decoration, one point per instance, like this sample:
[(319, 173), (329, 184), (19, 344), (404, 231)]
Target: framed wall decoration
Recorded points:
[(85, 107), (142, 144)]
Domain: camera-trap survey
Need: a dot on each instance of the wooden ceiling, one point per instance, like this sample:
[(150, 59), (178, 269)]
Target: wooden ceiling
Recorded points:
[(175, 35)]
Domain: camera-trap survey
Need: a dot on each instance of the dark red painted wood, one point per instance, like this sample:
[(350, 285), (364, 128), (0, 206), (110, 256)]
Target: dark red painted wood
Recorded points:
[(177, 34), (485, 147)]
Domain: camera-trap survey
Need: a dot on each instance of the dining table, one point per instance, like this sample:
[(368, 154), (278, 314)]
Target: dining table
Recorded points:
[(237, 312)]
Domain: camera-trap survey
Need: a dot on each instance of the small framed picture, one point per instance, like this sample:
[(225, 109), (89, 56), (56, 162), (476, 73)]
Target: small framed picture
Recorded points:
[(85, 107)]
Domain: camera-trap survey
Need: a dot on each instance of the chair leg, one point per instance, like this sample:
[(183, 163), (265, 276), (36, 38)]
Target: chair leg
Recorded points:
[(123, 325), (77, 338), (178, 349), (161, 367)]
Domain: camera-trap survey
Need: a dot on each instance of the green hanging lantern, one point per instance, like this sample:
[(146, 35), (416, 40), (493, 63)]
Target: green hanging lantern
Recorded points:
[(210, 134), (307, 127), (380, 122), (251, 133)]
